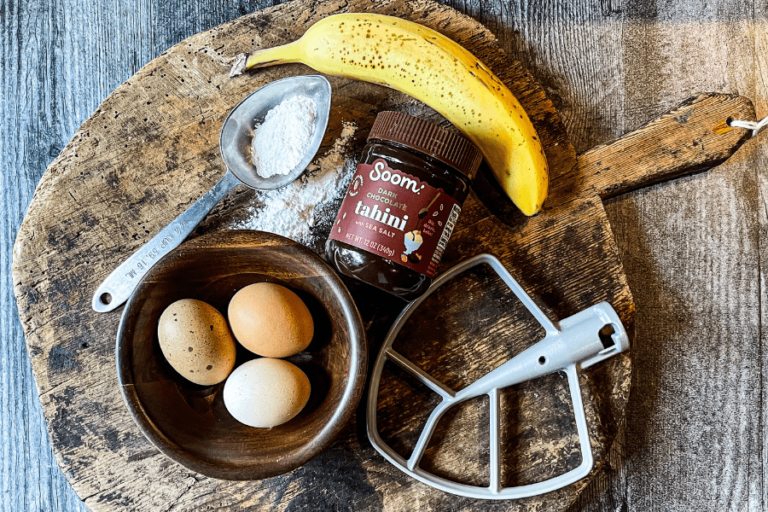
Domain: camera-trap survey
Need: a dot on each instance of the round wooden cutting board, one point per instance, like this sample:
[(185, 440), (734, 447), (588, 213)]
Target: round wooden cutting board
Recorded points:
[(151, 149)]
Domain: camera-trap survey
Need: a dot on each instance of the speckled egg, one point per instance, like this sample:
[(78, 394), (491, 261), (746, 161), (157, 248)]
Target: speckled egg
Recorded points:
[(270, 320), (196, 341), (266, 392)]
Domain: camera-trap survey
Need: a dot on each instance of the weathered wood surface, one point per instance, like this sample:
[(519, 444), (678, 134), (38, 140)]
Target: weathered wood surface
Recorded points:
[(167, 117), (695, 436), (610, 67)]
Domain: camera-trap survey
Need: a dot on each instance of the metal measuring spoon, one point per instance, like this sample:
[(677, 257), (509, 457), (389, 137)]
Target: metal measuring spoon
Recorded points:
[(234, 144)]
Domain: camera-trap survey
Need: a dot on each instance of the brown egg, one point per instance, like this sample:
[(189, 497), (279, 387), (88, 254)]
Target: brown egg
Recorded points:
[(266, 392), (196, 341), (270, 320)]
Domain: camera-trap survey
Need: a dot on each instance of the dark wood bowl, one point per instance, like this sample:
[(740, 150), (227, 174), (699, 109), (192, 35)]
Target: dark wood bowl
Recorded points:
[(188, 422)]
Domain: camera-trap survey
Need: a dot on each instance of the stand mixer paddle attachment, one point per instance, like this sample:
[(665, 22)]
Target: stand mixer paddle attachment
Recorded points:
[(577, 342)]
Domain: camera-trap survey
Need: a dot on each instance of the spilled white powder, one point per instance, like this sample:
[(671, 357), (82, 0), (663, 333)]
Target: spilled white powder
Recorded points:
[(302, 211), (282, 139)]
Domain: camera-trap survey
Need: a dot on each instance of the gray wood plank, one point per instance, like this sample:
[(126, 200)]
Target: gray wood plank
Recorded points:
[(29, 476), (694, 419), (31, 131), (757, 456), (760, 454)]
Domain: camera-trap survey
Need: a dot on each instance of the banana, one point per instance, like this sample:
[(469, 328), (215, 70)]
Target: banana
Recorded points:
[(435, 70)]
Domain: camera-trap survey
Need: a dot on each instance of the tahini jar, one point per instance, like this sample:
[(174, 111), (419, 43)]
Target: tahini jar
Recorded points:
[(402, 204)]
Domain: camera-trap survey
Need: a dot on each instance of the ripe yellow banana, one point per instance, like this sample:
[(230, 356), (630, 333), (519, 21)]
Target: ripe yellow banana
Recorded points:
[(437, 71)]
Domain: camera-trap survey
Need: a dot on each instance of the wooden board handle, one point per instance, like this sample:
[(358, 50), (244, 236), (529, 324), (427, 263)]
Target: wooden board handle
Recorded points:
[(693, 137)]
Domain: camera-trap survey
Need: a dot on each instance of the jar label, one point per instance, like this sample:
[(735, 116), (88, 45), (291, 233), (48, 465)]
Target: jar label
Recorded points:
[(396, 216)]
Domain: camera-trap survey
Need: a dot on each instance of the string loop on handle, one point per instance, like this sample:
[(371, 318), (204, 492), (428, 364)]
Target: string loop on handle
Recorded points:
[(755, 126)]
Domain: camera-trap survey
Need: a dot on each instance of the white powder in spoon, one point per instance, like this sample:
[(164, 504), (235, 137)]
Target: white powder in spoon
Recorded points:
[(305, 209), (282, 139)]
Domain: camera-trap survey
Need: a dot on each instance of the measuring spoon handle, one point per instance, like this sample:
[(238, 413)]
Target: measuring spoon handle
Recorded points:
[(119, 285)]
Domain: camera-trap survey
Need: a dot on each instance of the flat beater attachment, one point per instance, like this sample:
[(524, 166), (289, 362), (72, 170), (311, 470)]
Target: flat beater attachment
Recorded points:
[(568, 346)]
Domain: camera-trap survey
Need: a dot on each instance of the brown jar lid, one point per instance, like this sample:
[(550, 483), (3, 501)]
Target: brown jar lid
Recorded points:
[(428, 138)]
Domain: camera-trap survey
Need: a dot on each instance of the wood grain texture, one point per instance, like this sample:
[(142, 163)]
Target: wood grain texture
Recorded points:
[(720, 330), (696, 134), (609, 66), (187, 83), (109, 461)]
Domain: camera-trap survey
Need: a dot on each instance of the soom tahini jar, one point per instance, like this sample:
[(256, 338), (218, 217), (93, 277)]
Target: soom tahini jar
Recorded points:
[(402, 204)]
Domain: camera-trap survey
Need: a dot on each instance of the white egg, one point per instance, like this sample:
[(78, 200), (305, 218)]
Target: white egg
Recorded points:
[(266, 392)]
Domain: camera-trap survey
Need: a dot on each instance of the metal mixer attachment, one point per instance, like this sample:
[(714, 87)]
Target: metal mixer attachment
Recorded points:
[(577, 342)]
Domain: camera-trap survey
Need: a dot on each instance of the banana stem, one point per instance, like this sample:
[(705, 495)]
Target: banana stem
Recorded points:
[(284, 54)]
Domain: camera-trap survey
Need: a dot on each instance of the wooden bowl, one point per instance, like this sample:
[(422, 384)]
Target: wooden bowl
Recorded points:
[(188, 422)]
